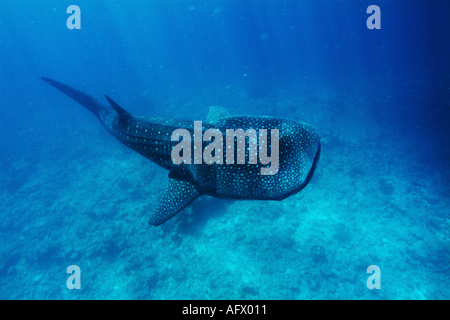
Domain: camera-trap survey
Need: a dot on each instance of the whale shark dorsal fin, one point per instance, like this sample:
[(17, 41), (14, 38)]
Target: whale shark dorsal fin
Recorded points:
[(216, 113), (123, 114), (179, 194)]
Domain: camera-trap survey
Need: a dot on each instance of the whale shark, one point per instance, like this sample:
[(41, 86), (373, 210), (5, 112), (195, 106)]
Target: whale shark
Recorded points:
[(297, 154)]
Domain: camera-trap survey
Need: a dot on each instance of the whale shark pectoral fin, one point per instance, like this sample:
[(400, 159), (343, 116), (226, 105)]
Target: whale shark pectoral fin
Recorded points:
[(216, 113), (179, 194)]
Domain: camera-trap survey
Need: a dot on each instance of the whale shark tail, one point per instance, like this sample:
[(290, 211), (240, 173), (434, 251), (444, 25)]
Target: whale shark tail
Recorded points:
[(84, 99)]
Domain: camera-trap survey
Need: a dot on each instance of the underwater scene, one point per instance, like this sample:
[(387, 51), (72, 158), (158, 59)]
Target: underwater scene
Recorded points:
[(349, 194)]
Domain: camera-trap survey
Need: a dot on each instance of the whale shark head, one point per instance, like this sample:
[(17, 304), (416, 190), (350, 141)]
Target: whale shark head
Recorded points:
[(299, 154)]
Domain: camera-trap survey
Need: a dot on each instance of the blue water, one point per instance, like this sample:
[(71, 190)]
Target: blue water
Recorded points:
[(71, 194)]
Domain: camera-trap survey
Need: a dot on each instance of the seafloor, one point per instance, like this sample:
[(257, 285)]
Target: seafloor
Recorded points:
[(78, 197)]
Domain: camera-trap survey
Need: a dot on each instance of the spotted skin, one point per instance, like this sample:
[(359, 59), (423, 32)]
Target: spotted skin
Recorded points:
[(299, 151)]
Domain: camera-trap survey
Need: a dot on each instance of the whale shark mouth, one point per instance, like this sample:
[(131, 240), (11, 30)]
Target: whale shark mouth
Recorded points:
[(311, 171)]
